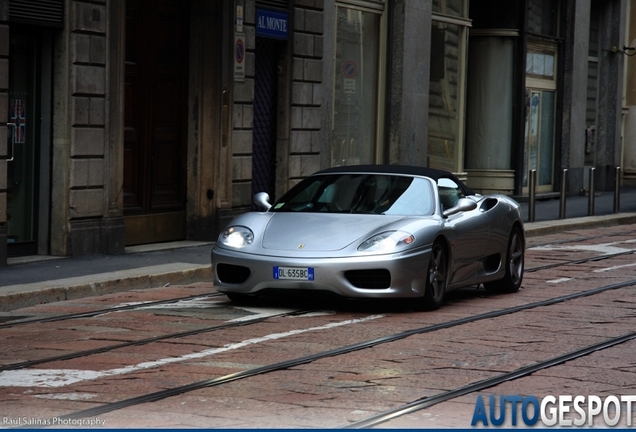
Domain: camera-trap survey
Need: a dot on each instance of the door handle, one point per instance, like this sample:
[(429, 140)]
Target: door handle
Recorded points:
[(11, 126)]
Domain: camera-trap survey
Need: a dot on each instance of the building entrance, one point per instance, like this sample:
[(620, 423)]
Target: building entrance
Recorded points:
[(28, 143), (155, 113)]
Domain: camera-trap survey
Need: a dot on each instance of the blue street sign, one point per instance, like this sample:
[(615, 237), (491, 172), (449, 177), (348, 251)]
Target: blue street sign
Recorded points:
[(273, 24)]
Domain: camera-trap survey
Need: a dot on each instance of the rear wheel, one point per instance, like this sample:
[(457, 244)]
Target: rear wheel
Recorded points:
[(514, 263), (436, 278)]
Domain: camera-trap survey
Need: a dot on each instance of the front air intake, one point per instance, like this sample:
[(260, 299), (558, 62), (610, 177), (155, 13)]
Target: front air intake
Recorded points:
[(369, 279), (232, 274)]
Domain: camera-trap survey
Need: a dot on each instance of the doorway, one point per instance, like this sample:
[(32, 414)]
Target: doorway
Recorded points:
[(155, 120), (268, 53), (28, 162)]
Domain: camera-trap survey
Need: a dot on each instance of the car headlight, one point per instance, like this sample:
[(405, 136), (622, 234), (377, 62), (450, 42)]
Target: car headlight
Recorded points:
[(237, 237), (387, 241)]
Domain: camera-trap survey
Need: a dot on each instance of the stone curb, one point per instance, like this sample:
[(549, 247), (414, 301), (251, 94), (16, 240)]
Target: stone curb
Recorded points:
[(534, 229), (20, 296)]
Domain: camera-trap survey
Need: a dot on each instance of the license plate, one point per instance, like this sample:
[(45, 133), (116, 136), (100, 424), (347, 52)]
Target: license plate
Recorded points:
[(294, 273)]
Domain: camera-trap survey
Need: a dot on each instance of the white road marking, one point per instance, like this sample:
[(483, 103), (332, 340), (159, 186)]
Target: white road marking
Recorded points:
[(76, 396), (181, 304), (556, 281), (614, 268), (260, 312), (606, 248), (64, 377)]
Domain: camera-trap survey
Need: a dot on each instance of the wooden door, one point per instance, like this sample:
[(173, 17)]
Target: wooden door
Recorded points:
[(155, 115)]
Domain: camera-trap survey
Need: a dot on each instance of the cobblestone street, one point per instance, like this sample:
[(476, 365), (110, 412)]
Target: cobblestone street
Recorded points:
[(200, 360)]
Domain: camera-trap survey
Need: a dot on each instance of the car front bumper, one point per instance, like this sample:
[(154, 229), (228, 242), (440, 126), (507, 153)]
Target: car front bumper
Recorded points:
[(407, 273)]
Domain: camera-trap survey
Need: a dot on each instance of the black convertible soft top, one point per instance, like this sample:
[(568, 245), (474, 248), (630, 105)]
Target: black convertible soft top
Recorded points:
[(432, 173)]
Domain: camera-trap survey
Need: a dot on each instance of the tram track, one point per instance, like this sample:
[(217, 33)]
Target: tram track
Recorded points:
[(86, 353), (374, 420), (123, 308), (170, 392), (219, 327), (430, 401), (578, 261), (93, 313)]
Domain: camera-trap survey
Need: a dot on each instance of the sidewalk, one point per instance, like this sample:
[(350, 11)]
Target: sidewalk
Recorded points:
[(33, 280), (29, 281)]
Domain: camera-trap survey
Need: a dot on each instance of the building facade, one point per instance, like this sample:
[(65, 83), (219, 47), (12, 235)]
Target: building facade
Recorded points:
[(143, 121)]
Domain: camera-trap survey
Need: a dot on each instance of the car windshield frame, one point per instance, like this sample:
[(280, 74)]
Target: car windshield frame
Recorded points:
[(361, 193)]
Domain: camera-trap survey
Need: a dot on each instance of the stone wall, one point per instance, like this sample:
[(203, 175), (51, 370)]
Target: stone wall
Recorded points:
[(306, 101), (300, 103), (86, 202), (4, 117)]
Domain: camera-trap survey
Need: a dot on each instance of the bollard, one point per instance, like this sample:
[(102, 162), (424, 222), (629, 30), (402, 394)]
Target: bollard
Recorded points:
[(590, 200), (617, 190), (564, 182), (532, 189)]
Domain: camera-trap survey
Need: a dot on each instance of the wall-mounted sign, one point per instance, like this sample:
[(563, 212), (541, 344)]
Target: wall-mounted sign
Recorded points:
[(239, 57), (271, 23), (239, 19)]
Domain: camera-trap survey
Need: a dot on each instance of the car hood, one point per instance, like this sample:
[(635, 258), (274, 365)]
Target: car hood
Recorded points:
[(320, 232)]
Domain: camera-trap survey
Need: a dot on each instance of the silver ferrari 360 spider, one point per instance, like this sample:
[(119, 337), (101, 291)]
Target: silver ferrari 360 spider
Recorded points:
[(374, 231)]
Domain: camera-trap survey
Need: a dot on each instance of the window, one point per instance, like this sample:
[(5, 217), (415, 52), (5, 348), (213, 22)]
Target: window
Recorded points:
[(373, 194), (358, 83), (449, 193), (543, 17), (447, 85), (541, 88)]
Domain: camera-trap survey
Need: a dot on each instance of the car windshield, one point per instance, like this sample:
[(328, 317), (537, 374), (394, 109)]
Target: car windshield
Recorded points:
[(360, 193)]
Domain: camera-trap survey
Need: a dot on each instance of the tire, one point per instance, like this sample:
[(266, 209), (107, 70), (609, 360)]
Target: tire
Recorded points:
[(515, 255), (436, 278)]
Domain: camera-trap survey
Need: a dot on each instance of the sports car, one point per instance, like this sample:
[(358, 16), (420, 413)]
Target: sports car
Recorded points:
[(373, 231)]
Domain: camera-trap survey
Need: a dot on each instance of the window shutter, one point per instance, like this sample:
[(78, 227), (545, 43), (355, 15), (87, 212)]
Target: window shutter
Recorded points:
[(280, 4), (37, 12)]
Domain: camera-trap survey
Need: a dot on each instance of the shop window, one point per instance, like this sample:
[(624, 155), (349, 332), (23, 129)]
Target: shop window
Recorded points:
[(358, 83)]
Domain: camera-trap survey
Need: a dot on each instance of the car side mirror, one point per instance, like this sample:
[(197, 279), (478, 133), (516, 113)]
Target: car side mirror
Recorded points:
[(463, 204), (262, 199)]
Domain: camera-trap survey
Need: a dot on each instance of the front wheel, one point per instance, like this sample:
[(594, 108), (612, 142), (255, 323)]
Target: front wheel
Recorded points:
[(514, 263), (436, 278)]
